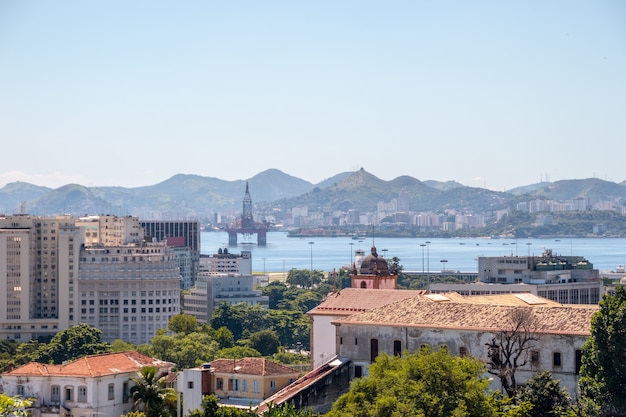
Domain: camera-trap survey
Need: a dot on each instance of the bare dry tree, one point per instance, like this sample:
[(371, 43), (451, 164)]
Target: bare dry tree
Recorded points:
[(509, 349)]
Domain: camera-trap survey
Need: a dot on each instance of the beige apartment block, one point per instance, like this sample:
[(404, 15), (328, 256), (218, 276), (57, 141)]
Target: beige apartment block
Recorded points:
[(110, 230), (38, 275)]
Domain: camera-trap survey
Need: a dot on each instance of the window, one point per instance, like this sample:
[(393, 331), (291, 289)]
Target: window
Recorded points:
[(220, 384), (462, 351), (556, 359), (82, 394), (69, 394), (111, 392), (397, 348), (579, 361), (244, 385), (190, 384), (358, 372), (534, 358), (255, 386), (20, 390), (373, 349), (55, 394), (272, 385), (125, 392), (235, 384)]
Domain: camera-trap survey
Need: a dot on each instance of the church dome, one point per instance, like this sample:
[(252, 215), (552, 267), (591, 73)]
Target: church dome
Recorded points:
[(374, 265)]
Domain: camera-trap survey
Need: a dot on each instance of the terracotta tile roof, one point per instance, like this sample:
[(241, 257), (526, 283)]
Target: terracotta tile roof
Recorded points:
[(465, 314), (355, 300), (251, 366), (511, 299), (92, 366)]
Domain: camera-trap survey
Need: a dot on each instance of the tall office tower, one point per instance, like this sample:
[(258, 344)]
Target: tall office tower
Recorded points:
[(177, 233), (38, 271), (130, 291)]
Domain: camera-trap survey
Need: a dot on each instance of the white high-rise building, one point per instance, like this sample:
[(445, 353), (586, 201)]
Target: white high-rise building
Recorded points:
[(129, 292)]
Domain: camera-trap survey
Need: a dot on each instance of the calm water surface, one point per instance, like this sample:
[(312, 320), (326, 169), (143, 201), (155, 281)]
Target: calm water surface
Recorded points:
[(325, 253)]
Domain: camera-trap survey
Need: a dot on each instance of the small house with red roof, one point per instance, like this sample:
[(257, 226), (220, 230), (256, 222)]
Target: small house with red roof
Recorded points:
[(237, 382), (89, 386)]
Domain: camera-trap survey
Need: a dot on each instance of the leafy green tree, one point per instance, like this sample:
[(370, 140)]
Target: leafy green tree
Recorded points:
[(426, 383), (306, 301), (603, 371), (183, 323), (224, 337), (546, 395), (151, 395), (135, 414), (185, 350), (14, 406), (275, 291), (238, 352), (304, 278), (292, 327), (119, 345), (265, 341), (242, 319), (288, 358), (72, 343)]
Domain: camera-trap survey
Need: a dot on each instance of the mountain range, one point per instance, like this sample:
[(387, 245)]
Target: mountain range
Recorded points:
[(195, 197)]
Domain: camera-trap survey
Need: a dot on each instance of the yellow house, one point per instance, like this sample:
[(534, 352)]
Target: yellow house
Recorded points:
[(249, 378)]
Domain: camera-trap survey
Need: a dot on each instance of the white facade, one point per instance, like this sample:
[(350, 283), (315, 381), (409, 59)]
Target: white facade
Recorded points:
[(90, 386), (129, 292), (224, 262)]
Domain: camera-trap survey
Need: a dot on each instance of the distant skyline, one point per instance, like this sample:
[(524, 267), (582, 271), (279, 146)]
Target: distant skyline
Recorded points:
[(486, 93)]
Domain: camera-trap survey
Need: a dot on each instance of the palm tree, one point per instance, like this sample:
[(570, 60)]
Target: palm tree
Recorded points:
[(151, 395)]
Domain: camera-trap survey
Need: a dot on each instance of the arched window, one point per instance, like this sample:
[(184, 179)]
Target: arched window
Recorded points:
[(363, 284)]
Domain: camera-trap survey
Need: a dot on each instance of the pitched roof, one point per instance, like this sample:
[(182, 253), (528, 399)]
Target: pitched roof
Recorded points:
[(355, 300), (438, 311), (92, 366), (251, 366)]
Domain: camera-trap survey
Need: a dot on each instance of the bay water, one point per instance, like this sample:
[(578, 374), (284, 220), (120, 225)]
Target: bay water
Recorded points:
[(283, 253)]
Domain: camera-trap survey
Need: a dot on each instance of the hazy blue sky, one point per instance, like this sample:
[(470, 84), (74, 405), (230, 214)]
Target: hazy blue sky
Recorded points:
[(493, 94)]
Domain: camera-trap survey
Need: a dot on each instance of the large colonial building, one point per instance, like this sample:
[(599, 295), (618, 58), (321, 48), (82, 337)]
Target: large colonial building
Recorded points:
[(465, 326)]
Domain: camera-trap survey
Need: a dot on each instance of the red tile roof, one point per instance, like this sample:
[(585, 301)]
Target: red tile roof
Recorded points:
[(92, 366), (251, 366), (350, 301)]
